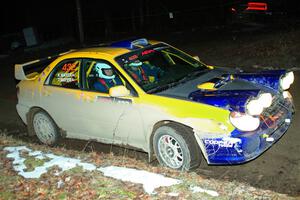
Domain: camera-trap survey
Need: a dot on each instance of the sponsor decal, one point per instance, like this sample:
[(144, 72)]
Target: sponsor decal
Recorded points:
[(66, 77), (113, 100), (70, 67), (146, 52), (218, 146), (123, 101), (134, 57), (221, 143)]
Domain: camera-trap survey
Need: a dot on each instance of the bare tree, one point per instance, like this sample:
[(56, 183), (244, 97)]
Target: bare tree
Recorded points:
[(80, 25)]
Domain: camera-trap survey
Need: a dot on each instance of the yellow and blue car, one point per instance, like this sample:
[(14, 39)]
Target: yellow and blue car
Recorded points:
[(154, 97)]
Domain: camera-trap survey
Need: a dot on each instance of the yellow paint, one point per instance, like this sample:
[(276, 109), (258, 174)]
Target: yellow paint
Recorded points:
[(183, 110), (206, 86)]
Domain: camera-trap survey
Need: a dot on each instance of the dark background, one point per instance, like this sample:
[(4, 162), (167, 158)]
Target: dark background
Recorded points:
[(209, 29), (111, 20)]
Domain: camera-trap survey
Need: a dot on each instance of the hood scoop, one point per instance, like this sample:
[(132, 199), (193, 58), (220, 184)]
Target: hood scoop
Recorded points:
[(216, 83)]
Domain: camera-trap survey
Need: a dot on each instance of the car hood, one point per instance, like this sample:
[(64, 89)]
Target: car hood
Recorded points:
[(226, 88)]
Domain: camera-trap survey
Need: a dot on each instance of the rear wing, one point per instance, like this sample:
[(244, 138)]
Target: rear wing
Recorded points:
[(20, 72)]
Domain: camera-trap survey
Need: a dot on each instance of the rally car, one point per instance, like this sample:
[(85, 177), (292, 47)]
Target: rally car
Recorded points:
[(151, 96)]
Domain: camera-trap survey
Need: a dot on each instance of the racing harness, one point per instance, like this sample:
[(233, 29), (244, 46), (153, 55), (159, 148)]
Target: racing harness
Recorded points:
[(102, 81), (135, 76)]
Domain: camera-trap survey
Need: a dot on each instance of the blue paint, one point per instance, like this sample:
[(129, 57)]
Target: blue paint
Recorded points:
[(130, 44), (123, 44), (233, 100), (267, 78), (249, 145)]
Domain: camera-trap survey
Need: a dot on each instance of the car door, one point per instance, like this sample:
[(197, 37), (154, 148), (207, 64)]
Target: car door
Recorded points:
[(84, 113), (109, 119)]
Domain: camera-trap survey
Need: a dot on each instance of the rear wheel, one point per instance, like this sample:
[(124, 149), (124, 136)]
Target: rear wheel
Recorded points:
[(176, 147), (43, 126)]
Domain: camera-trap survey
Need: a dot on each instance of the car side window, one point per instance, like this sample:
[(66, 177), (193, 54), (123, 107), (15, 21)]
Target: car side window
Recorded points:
[(66, 74), (100, 76)]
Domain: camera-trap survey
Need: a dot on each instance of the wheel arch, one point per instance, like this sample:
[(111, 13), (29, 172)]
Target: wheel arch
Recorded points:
[(29, 117), (151, 154)]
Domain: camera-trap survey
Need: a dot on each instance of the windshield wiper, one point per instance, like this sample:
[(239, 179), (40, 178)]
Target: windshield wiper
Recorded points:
[(163, 87), (186, 78), (192, 75)]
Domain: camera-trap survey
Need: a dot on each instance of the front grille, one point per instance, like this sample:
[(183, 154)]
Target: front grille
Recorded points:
[(279, 105), (276, 114)]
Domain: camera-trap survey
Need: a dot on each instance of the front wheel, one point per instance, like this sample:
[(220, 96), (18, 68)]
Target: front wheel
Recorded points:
[(176, 147), (43, 126)]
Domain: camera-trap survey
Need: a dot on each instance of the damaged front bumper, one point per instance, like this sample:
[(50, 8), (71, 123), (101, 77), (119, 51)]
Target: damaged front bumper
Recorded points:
[(241, 147)]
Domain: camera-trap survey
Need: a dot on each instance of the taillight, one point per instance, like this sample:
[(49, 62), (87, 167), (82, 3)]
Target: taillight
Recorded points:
[(257, 6)]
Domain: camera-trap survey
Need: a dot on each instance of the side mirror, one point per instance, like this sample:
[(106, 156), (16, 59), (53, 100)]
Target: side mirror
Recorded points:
[(196, 58), (119, 91)]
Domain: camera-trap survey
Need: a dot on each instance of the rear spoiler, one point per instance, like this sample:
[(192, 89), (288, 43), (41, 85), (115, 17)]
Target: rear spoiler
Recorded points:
[(19, 68)]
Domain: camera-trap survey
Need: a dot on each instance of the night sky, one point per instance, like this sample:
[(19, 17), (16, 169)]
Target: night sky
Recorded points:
[(54, 19)]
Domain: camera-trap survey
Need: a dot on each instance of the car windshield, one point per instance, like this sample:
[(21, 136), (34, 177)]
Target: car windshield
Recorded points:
[(159, 67)]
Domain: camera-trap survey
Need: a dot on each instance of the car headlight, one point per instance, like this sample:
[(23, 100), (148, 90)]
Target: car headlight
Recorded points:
[(266, 100), (244, 122), (287, 80), (256, 106)]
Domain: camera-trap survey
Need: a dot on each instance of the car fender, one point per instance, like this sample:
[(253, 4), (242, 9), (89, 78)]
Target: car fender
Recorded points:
[(202, 119)]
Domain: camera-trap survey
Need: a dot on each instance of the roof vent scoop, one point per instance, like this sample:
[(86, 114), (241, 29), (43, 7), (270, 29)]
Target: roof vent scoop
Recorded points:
[(131, 44)]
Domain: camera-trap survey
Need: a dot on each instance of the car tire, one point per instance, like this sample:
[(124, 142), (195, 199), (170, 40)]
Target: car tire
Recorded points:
[(176, 147), (43, 126)]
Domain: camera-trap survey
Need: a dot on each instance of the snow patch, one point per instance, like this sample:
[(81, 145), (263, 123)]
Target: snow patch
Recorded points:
[(37, 154), (62, 162), (15, 154), (195, 189), (150, 181)]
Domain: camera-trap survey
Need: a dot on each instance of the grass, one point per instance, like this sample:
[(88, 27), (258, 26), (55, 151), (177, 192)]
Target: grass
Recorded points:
[(77, 183), (31, 163)]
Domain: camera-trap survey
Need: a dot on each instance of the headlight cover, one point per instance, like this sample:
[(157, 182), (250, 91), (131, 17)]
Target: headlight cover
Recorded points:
[(266, 100), (287, 80), (244, 122), (254, 107), (257, 105)]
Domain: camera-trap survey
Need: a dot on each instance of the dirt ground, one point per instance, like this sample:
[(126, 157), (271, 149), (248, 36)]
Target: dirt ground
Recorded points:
[(278, 169)]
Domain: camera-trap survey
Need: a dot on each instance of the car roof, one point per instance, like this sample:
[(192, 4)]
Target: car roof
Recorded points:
[(116, 48), (113, 51)]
